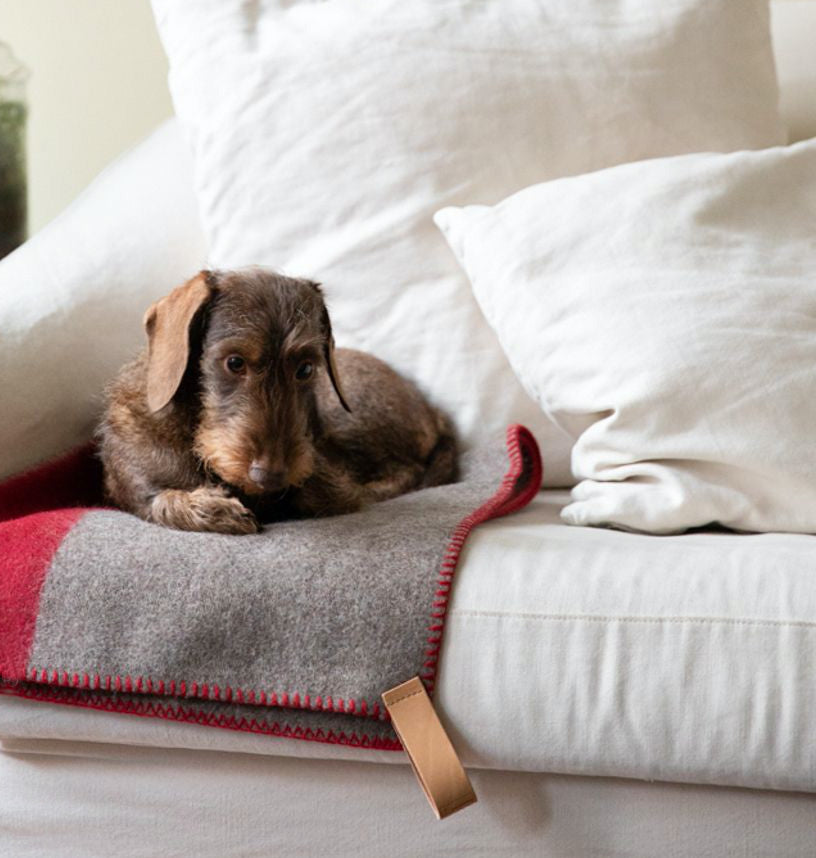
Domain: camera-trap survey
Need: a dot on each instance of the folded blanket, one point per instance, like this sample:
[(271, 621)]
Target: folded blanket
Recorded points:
[(294, 632)]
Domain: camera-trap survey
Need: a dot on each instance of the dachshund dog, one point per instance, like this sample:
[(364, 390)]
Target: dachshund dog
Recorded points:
[(235, 414)]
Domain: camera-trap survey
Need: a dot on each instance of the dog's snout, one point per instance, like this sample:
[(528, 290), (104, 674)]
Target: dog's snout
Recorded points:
[(268, 478), (258, 474)]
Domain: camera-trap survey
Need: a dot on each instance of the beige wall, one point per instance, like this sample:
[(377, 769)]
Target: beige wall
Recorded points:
[(98, 84)]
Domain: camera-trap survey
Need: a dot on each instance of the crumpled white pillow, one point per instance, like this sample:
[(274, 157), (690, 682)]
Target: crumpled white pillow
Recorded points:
[(326, 134), (665, 312), (73, 296)]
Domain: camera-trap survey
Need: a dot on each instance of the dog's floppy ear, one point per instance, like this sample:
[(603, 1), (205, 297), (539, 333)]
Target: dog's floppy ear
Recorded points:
[(167, 323), (328, 354)]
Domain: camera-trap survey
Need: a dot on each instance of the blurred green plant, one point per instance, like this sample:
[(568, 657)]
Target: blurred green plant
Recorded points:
[(13, 191), (13, 184)]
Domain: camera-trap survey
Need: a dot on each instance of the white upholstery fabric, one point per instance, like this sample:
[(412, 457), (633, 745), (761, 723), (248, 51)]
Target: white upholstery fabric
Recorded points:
[(73, 296), (581, 651), (67, 800), (664, 312), (681, 658), (761, 586), (326, 134)]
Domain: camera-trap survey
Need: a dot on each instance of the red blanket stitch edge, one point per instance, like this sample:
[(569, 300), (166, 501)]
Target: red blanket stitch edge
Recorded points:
[(504, 502), (190, 715), (55, 685)]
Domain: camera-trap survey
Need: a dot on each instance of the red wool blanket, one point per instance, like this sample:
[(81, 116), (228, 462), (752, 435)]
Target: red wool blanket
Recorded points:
[(294, 632)]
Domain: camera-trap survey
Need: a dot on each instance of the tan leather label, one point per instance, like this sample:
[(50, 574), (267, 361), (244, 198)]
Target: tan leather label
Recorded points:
[(429, 749)]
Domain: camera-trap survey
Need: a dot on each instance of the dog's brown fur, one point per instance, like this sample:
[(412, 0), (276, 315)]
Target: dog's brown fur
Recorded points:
[(190, 442)]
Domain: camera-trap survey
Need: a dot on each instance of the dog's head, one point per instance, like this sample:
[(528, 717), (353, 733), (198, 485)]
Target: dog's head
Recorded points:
[(255, 342)]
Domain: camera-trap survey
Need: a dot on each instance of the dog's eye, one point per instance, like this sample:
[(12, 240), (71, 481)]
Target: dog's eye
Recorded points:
[(304, 370), (236, 364)]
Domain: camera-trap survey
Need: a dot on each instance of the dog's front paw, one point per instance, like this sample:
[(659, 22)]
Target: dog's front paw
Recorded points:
[(207, 509)]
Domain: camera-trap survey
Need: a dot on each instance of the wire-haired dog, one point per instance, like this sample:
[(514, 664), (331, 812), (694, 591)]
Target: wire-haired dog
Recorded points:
[(235, 413)]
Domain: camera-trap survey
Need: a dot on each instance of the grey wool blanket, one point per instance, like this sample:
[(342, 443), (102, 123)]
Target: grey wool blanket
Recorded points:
[(295, 631)]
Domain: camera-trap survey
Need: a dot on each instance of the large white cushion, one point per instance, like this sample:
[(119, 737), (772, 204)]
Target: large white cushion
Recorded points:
[(589, 651), (665, 312), (326, 135), (72, 298)]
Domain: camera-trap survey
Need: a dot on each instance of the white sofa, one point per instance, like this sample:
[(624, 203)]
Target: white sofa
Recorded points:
[(613, 693)]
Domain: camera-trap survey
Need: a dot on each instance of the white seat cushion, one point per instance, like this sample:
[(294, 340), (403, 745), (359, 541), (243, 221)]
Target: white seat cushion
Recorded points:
[(590, 651), (682, 658)]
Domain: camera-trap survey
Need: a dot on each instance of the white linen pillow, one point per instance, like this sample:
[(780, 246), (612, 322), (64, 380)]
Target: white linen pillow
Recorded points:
[(326, 134), (665, 312), (73, 296)]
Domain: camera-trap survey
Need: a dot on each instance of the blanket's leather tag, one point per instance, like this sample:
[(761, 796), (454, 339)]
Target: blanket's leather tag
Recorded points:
[(429, 749)]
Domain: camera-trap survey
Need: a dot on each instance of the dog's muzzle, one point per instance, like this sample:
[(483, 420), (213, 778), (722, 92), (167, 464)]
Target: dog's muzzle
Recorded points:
[(268, 479)]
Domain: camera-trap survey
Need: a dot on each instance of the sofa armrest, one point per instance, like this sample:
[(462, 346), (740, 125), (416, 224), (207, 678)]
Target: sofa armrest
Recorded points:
[(72, 297)]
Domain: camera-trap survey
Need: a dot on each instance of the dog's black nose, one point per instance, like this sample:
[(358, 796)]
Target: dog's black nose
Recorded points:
[(269, 480)]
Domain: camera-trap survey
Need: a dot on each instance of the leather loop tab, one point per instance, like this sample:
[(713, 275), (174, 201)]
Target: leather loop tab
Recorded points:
[(429, 749)]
